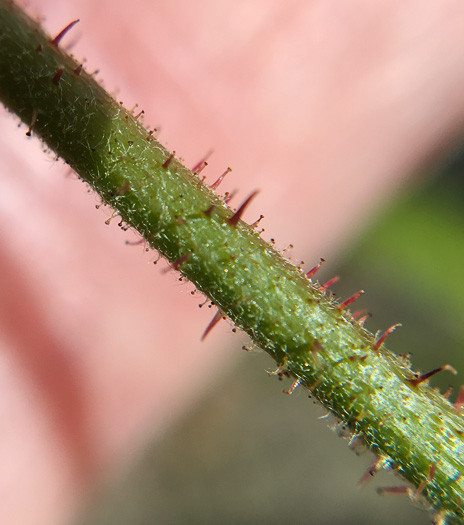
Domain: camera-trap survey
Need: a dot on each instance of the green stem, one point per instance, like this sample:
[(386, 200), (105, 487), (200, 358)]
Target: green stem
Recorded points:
[(412, 428)]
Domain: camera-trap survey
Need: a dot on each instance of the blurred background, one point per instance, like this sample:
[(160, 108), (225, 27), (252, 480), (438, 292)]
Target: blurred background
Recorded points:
[(349, 117)]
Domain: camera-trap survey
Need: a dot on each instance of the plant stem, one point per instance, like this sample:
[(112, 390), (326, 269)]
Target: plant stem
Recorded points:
[(410, 426)]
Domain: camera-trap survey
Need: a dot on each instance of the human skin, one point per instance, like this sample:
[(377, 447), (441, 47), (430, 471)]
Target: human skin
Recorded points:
[(326, 107)]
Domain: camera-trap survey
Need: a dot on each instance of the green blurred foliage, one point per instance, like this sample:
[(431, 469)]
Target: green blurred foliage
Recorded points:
[(411, 264)]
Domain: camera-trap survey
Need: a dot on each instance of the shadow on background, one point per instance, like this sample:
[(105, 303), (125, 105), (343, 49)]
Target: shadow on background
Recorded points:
[(250, 455)]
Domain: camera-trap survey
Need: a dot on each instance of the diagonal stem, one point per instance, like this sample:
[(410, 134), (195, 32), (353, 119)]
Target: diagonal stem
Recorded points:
[(410, 426)]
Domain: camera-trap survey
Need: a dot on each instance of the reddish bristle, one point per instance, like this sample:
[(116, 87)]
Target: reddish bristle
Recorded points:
[(168, 161), (261, 217), (356, 314), (433, 468), (448, 392), (109, 219), (313, 271), (394, 491), (323, 288), (424, 377), (215, 184), (35, 113), (382, 338), (238, 214), (78, 70), (359, 358), (425, 482), (209, 211), (61, 34), (202, 163), (371, 471), (177, 264), (200, 167), (135, 243), (293, 387), (56, 78), (419, 490), (350, 300), (363, 319), (218, 316), (316, 348), (279, 372), (459, 403), (229, 196)]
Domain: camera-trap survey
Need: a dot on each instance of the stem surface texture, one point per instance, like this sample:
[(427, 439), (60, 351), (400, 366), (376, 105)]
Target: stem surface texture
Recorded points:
[(409, 425)]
